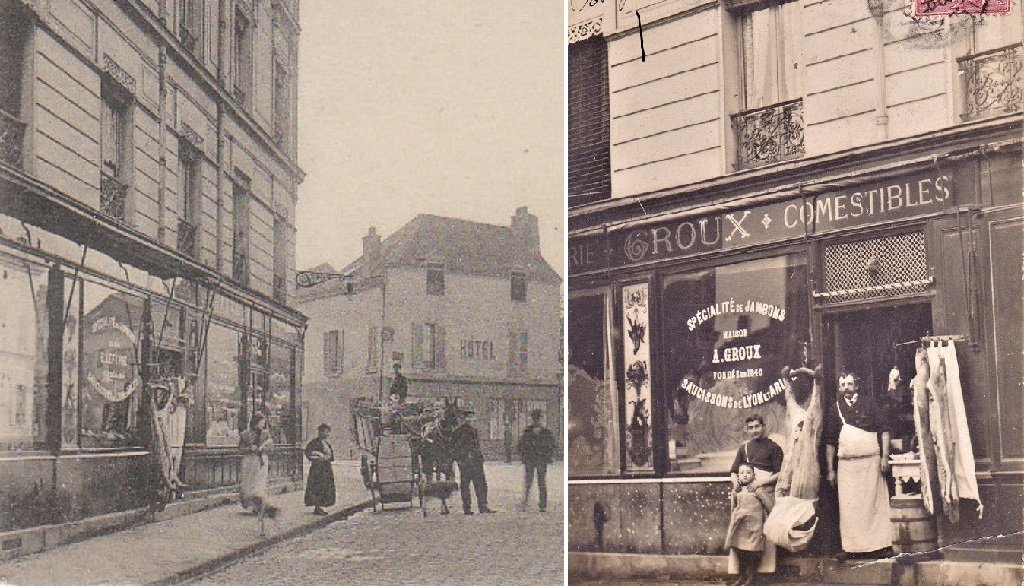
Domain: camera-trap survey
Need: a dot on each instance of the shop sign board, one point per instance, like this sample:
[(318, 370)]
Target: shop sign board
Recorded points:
[(901, 198), (109, 354)]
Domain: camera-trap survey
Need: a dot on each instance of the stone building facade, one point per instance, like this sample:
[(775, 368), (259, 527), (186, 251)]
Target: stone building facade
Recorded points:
[(469, 310), (148, 180), (752, 182)]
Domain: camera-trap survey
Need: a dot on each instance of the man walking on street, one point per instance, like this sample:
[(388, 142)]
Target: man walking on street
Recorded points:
[(471, 465), (537, 446)]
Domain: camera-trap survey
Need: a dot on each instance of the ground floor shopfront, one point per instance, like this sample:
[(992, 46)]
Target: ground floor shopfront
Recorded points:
[(681, 320), (86, 336)]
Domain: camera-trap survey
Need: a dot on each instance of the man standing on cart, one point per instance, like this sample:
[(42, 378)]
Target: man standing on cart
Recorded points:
[(471, 464)]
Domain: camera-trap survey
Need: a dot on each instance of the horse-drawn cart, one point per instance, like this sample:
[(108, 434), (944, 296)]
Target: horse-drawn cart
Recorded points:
[(400, 461)]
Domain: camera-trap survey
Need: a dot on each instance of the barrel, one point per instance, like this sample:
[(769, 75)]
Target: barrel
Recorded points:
[(913, 528)]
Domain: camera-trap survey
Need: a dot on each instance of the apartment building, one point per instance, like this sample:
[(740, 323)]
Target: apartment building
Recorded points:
[(755, 184), (148, 180)]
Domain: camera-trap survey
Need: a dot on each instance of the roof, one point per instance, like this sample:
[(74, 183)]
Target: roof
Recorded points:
[(461, 246)]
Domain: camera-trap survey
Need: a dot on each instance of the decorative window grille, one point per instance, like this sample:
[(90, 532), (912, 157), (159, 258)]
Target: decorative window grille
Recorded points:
[(878, 267)]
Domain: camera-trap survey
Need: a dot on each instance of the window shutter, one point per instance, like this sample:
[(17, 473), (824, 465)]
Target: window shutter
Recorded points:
[(339, 354), (327, 352), (371, 348), (524, 354), (513, 350), (439, 360), (417, 345)]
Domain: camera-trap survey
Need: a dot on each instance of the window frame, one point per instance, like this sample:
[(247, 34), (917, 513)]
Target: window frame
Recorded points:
[(242, 46), (523, 290), (435, 281), (334, 352), (777, 28)]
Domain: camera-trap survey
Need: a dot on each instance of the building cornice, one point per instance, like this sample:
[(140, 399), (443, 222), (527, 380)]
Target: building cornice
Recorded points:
[(793, 174)]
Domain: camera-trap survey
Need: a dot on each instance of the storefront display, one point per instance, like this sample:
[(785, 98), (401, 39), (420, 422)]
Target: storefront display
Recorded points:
[(223, 391), (593, 429), (23, 341), (279, 395), (110, 366)]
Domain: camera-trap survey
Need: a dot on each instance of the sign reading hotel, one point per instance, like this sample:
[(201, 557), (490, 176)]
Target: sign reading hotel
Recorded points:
[(739, 356), (902, 198)]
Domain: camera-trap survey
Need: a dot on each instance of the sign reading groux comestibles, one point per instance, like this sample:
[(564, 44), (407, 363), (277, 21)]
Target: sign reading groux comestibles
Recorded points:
[(741, 361)]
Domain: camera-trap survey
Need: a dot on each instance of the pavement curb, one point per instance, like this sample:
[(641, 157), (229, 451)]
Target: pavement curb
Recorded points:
[(33, 540), (209, 566)]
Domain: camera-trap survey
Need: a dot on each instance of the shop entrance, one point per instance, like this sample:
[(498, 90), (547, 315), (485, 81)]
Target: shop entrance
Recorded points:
[(872, 341)]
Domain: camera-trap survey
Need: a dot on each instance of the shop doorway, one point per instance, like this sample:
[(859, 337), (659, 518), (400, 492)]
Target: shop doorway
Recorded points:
[(872, 341)]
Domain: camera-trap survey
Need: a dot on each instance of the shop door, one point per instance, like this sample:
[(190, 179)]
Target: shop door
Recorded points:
[(871, 341)]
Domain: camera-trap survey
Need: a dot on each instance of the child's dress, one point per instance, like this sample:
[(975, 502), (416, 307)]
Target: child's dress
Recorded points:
[(746, 526)]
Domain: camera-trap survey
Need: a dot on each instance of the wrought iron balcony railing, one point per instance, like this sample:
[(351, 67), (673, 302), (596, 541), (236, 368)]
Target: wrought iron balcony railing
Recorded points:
[(992, 80), (240, 267), (12, 137), (113, 197), (770, 134), (187, 238), (281, 288)]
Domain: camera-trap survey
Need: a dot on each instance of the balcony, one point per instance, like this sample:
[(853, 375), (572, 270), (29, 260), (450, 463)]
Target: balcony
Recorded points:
[(769, 135), (113, 197), (187, 238), (240, 268), (992, 81), (12, 136), (280, 288)]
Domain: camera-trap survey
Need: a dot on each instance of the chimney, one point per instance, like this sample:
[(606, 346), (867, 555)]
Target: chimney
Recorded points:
[(525, 231), (371, 252)]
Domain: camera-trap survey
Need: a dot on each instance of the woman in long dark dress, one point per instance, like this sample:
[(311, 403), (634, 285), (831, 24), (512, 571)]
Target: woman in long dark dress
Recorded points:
[(320, 484)]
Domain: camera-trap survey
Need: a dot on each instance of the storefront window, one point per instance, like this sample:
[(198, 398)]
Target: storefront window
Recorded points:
[(593, 438), (110, 390), (23, 364), (728, 332), (69, 364), (279, 397), (223, 391)]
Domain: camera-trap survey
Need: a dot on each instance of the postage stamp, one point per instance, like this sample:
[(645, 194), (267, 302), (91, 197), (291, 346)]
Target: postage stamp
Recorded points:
[(944, 7)]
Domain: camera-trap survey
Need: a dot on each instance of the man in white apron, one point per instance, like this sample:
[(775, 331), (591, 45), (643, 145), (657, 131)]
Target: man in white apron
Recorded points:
[(852, 434), (765, 456)]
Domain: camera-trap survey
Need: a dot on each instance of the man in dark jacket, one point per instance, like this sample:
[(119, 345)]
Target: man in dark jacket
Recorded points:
[(471, 465), (537, 446)]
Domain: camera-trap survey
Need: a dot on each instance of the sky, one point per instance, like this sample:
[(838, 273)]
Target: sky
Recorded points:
[(452, 108)]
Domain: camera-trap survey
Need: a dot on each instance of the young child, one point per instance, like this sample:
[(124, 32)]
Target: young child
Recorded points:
[(745, 536)]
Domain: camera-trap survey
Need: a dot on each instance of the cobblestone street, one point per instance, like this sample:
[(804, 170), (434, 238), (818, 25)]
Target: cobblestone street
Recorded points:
[(403, 547)]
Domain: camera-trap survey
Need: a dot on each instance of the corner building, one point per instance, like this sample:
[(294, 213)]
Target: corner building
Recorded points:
[(753, 182), (148, 183), (469, 310)]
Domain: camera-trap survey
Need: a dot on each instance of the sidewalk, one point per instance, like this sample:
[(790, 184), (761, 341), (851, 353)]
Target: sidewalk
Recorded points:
[(176, 549)]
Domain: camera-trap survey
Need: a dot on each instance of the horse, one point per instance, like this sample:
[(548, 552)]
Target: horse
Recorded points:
[(435, 452)]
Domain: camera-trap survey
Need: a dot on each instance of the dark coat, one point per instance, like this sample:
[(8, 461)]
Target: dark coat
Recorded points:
[(466, 447), (320, 484), (537, 447), (400, 387)]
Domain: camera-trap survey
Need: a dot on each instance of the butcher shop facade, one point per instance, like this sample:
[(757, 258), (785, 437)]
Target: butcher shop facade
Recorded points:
[(685, 308)]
